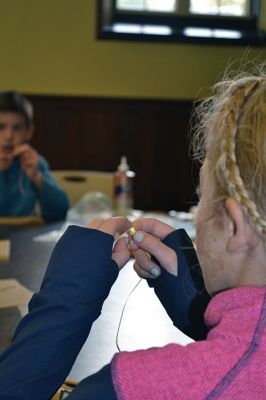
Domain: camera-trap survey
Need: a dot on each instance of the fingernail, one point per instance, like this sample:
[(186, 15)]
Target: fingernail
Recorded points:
[(138, 237), (133, 245), (155, 272)]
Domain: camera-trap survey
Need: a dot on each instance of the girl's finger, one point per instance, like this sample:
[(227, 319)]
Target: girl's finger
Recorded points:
[(164, 254), (132, 245), (148, 266), (115, 225), (142, 273), (112, 225), (95, 223), (153, 226), (121, 253)]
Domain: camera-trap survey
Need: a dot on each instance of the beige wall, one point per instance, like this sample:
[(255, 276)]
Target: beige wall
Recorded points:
[(49, 47)]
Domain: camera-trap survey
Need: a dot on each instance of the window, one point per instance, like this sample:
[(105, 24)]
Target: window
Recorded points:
[(207, 7), (149, 5), (187, 21), (239, 8)]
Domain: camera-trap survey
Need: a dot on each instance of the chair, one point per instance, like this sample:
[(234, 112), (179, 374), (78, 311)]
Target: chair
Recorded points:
[(77, 183)]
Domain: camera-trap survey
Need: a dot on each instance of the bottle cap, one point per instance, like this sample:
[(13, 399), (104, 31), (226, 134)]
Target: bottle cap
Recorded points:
[(123, 166)]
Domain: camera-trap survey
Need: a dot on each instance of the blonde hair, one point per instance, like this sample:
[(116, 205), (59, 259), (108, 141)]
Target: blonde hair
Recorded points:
[(231, 131)]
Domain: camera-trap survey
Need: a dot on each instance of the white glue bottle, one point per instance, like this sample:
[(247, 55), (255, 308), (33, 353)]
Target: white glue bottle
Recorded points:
[(123, 188)]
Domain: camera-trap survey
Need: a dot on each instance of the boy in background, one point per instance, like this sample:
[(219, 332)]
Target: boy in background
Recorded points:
[(25, 179)]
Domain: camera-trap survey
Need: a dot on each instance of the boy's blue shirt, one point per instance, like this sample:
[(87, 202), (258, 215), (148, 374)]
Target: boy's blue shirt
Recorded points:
[(18, 195)]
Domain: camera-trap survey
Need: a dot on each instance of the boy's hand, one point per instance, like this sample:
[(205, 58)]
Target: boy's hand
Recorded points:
[(146, 242), (6, 158), (29, 159), (115, 226)]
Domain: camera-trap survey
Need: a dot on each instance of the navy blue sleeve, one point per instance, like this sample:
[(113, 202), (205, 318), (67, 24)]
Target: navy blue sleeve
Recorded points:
[(185, 300), (184, 297), (48, 339), (98, 386)]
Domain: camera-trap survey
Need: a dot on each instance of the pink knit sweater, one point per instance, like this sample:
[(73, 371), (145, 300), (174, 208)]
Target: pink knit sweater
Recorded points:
[(230, 364)]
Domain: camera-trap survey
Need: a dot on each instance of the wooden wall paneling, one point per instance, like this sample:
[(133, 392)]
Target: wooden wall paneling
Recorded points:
[(93, 133), (172, 148)]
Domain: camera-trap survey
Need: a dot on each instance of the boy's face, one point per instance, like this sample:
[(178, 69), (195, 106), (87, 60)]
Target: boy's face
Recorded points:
[(13, 132)]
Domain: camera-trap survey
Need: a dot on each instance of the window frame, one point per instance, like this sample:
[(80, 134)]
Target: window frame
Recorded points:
[(251, 33)]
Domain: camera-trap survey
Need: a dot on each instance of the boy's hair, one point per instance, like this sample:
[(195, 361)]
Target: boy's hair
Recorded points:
[(231, 130), (13, 102)]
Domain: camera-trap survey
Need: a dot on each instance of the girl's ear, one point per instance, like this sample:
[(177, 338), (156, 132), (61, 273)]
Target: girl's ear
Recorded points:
[(238, 236)]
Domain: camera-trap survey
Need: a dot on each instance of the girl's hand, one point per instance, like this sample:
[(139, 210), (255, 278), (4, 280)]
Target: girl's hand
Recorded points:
[(115, 226), (146, 242)]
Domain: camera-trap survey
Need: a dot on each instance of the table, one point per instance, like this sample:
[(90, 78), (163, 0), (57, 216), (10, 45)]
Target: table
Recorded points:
[(144, 324), (27, 264)]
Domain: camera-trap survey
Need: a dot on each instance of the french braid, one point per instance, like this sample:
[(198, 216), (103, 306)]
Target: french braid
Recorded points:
[(232, 110)]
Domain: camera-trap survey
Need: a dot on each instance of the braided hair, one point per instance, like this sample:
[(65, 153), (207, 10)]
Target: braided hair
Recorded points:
[(232, 134)]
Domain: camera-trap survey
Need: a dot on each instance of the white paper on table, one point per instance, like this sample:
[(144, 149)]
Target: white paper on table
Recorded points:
[(13, 294)]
